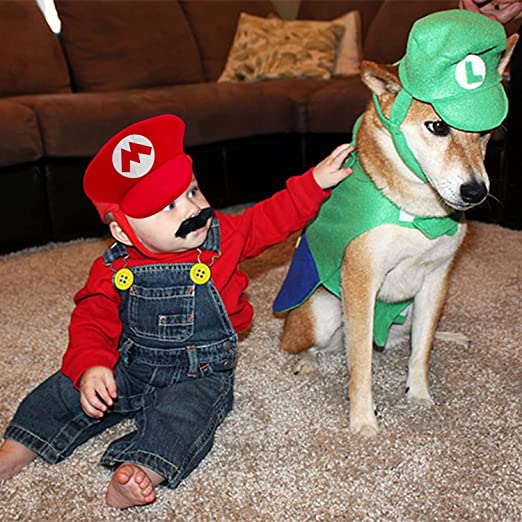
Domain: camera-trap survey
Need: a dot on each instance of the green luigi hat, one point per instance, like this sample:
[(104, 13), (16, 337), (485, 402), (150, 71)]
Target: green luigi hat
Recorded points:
[(451, 62)]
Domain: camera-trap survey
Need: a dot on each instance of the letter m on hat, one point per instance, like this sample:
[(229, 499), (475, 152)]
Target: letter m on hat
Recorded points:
[(133, 156)]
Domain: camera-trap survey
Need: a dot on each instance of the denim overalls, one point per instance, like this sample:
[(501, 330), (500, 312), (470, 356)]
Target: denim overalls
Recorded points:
[(175, 377)]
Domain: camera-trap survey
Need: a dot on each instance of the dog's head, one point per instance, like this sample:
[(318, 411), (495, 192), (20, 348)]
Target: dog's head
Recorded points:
[(452, 160)]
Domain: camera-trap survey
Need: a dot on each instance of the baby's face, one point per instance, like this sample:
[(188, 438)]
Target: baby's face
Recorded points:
[(158, 232)]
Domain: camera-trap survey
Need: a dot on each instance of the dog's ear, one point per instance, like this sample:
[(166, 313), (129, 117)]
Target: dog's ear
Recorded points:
[(380, 79), (506, 56)]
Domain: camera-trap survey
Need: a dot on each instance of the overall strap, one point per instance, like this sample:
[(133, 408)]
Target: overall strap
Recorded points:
[(115, 251), (213, 240)]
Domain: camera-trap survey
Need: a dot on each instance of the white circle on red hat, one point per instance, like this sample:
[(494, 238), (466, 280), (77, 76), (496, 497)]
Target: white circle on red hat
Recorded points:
[(130, 157), (471, 72)]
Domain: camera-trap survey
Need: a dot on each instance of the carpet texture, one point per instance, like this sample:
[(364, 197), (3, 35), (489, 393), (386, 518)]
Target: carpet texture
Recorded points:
[(286, 453)]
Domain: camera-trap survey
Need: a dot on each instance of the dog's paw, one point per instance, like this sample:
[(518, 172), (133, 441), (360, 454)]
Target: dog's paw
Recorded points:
[(305, 365), (420, 398), (364, 428), (368, 432)]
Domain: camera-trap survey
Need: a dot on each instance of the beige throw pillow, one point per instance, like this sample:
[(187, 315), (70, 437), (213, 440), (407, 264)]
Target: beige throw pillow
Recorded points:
[(270, 48), (349, 52)]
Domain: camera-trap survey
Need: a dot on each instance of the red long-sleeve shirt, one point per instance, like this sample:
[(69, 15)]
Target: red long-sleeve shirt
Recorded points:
[(95, 326)]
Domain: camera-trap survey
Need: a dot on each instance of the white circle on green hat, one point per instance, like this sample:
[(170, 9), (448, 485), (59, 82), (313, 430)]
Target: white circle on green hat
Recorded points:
[(471, 72), (134, 156)]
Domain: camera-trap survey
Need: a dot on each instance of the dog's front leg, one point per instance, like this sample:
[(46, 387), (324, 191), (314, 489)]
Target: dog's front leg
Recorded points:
[(427, 308), (359, 288)]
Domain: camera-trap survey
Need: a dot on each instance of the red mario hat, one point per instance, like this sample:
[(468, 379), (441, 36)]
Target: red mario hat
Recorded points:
[(141, 169)]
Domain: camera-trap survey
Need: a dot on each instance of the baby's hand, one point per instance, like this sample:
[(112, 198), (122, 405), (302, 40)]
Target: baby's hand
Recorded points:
[(502, 11), (329, 173), (97, 391)]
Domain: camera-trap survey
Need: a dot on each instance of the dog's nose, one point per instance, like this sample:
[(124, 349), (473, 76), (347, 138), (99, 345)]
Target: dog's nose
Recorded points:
[(473, 192)]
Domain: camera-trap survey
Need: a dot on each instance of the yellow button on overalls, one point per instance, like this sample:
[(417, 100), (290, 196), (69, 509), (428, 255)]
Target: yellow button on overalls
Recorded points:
[(200, 273), (123, 279)]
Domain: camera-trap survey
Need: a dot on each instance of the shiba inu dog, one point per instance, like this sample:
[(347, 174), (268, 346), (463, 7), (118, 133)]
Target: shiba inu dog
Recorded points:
[(373, 266)]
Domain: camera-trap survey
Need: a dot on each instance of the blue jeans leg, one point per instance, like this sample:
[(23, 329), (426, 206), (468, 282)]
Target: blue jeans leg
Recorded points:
[(51, 422), (176, 428)]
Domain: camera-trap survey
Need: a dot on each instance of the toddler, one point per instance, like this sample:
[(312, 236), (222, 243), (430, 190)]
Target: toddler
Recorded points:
[(153, 335)]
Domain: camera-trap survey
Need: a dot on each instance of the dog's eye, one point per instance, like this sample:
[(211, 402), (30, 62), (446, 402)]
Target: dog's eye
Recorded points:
[(439, 128)]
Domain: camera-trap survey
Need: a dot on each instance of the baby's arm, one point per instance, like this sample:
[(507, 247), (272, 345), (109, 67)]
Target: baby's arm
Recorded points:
[(328, 172), (272, 220), (97, 391)]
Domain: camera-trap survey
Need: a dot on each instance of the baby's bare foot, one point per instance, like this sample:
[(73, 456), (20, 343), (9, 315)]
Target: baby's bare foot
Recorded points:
[(130, 486), (13, 458)]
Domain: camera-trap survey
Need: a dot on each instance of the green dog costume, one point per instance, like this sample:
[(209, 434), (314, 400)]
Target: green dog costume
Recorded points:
[(451, 62)]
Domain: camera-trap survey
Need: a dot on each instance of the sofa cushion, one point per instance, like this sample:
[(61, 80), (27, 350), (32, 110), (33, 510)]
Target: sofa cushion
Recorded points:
[(214, 25), (386, 42), (124, 44), (271, 48), (349, 52), (335, 108), (330, 9), (19, 134), (32, 59), (77, 125)]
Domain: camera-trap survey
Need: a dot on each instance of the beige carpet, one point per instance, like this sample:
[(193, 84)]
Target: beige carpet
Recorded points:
[(285, 453)]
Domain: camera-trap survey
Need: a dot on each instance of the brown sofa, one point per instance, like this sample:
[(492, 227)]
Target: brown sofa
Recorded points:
[(119, 61)]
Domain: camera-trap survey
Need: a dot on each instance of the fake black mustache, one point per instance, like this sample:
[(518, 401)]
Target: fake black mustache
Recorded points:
[(193, 223)]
